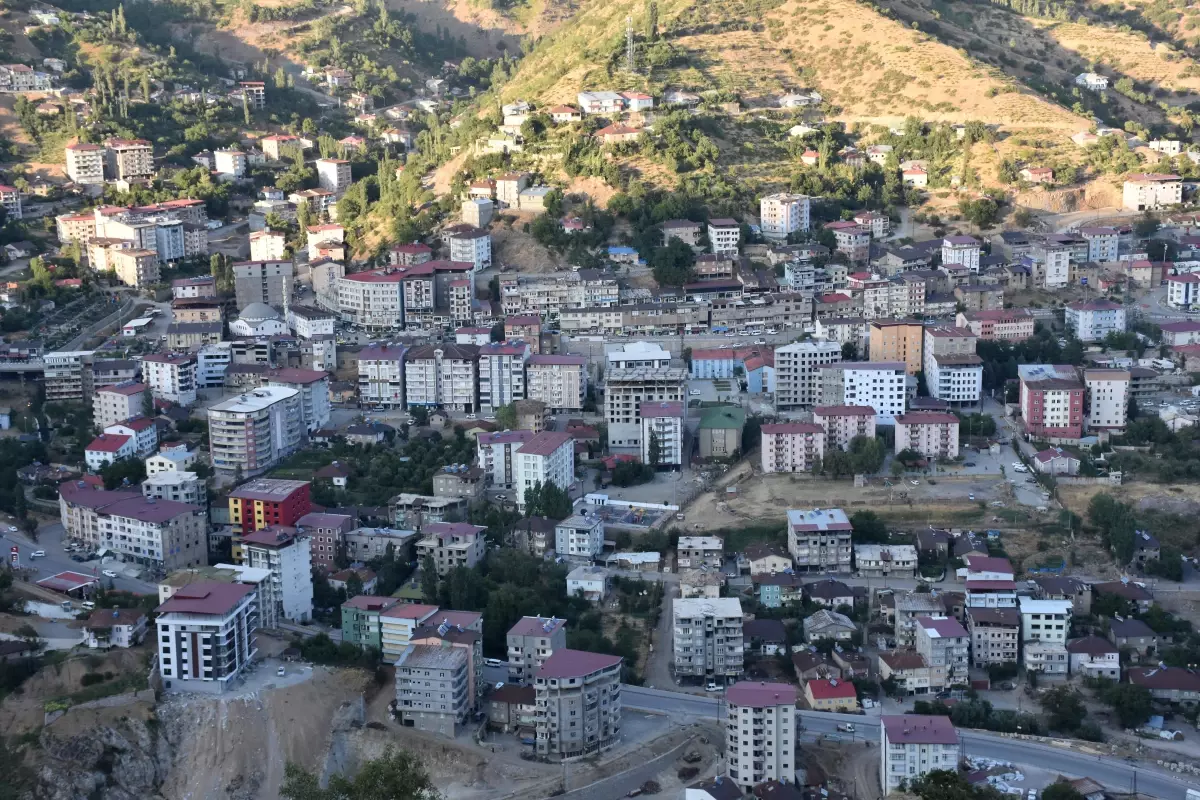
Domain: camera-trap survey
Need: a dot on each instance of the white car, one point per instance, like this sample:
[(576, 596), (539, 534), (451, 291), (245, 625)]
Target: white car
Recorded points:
[(38, 554), (108, 573), (694, 393), (281, 671), (712, 687), (12, 528), (493, 662), (915, 483)]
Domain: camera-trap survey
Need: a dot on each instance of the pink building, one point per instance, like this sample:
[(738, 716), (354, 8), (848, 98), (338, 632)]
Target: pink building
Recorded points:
[(843, 423), (1051, 402), (1006, 324), (792, 446), (933, 434)]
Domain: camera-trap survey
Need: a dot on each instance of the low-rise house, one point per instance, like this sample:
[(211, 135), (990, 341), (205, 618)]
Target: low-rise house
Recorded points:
[(1133, 634), (766, 637), (778, 589), (831, 695), (1094, 657), (1056, 461), (766, 559), (701, 582), (886, 561), (830, 593), (1169, 684), (513, 709), (1125, 589), (589, 582), (115, 627), (700, 551), (826, 624), (1066, 588), (1145, 548), (911, 672)]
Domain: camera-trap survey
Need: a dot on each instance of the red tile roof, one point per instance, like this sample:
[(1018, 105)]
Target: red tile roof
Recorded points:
[(843, 411), (915, 729), (206, 597), (107, 443), (575, 664), (415, 611), (792, 427), (536, 626), (830, 689), (761, 695), (545, 443)]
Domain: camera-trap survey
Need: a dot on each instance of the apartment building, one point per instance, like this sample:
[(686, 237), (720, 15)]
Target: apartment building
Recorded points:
[(965, 250), (878, 385), (178, 487), (1008, 324), (797, 372), (472, 247), (760, 735), (452, 544), (550, 296), (381, 376), (910, 606), (432, 688), (497, 455), (953, 372), (933, 434), (1094, 320), (662, 433), (912, 746), (782, 214), (1052, 399), (266, 502), (161, 535), (501, 374), (559, 381), (111, 404), (792, 446), (531, 641), (627, 388), (1107, 399), (1183, 291), (171, 377), (267, 246), (547, 458), (724, 236), (707, 637), (206, 636), (254, 431), (819, 539), (372, 299), (288, 556), (578, 697), (136, 268), (842, 424), (442, 376), (990, 582), (68, 374), (1103, 243), (1151, 191), (994, 636), (333, 175), (267, 282), (1046, 621), (885, 560), (898, 340), (945, 643), (85, 163), (126, 159), (696, 552)]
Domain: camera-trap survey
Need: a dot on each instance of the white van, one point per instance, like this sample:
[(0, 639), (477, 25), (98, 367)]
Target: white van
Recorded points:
[(88, 605)]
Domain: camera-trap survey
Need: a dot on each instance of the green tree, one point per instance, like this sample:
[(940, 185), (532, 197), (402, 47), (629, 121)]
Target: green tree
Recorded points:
[(868, 528), (148, 403), (866, 454), (497, 332), (1065, 707), (652, 21), (1131, 703), (354, 585), (246, 107), (1061, 791), (396, 775), (850, 351), (429, 579), (118, 472), (1145, 225), (672, 264), (654, 446), (506, 417)]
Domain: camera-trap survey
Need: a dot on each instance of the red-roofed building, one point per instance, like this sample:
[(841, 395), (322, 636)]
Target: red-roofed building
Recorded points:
[(792, 446), (618, 134), (107, 448), (580, 686), (1184, 332), (830, 694), (769, 710), (913, 746), (194, 617), (842, 423), (932, 434)]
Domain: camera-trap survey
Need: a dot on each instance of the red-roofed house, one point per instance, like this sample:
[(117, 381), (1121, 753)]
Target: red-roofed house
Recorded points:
[(830, 694), (617, 134), (107, 448)]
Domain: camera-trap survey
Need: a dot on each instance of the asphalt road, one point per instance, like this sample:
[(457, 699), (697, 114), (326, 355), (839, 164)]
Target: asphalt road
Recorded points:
[(50, 539), (1114, 774)]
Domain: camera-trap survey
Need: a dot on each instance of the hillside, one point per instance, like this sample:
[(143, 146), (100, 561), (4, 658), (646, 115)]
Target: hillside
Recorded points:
[(868, 67)]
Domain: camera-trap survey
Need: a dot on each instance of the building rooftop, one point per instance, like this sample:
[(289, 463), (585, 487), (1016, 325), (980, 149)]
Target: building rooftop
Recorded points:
[(831, 689), (255, 400), (760, 695), (432, 656), (942, 627), (206, 597), (275, 489), (575, 664), (818, 519), (727, 607), (916, 729)]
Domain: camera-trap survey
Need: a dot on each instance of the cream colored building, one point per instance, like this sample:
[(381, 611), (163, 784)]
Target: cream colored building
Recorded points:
[(137, 268)]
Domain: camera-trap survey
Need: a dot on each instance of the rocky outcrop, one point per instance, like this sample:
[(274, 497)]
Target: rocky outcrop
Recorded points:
[(124, 760)]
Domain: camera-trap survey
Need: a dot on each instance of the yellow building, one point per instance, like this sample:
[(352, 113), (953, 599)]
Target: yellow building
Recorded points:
[(898, 340), (825, 694)]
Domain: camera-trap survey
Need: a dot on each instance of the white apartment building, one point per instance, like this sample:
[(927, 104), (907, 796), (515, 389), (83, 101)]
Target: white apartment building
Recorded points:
[(472, 247), (638, 373), (497, 455), (933, 434), (381, 376), (1094, 320), (212, 360), (501, 374), (760, 735), (1103, 243), (819, 539), (559, 381), (171, 377), (333, 175), (128, 158), (843, 423), (1150, 191), (107, 448), (879, 385), (885, 560), (963, 250), (911, 746), (442, 376), (580, 537), (230, 165), (1183, 291), (782, 214), (206, 635), (158, 534), (707, 637), (1054, 261), (267, 246), (724, 236), (549, 457), (373, 299), (288, 556), (953, 371), (112, 404), (254, 431), (797, 372), (1047, 621), (1106, 399), (313, 385), (178, 487), (663, 429), (170, 458), (946, 645), (398, 624), (792, 446), (85, 163), (141, 429)]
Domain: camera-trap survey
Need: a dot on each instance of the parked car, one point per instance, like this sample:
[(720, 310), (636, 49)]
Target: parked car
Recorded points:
[(38, 554), (281, 671), (108, 573), (493, 662), (712, 687), (846, 727)]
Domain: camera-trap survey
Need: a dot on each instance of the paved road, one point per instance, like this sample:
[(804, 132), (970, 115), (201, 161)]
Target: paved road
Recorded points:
[(50, 539), (1114, 774)]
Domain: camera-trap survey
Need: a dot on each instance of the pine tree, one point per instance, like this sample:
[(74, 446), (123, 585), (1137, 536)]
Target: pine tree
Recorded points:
[(120, 20), (146, 86), (280, 78), (246, 106), (652, 21)]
